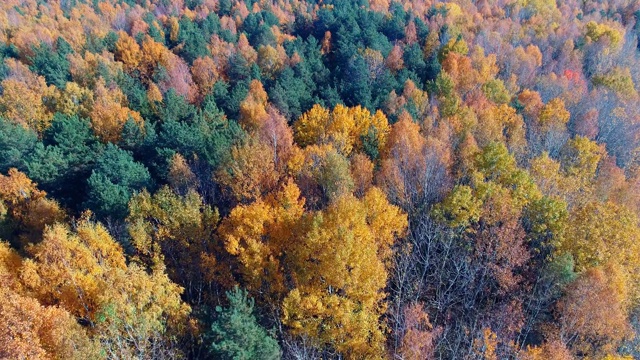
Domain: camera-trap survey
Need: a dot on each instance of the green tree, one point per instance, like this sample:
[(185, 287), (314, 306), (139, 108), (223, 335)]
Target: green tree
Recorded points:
[(15, 143), (113, 181), (52, 63), (64, 158), (236, 333), (191, 40), (208, 135), (356, 86)]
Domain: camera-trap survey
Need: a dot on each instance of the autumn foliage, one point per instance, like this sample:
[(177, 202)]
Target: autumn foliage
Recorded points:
[(383, 179)]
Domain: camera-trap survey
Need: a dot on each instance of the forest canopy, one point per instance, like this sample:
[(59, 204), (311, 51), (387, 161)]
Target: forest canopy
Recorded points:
[(331, 179)]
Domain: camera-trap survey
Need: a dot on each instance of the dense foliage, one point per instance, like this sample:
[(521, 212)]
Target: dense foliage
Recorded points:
[(336, 179)]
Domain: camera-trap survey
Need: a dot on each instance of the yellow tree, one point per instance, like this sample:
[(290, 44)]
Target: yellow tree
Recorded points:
[(73, 100), (323, 175), (26, 97), (327, 269), (502, 123), (601, 233), (180, 177), (128, 51), (553, 116), (595, 31), (270, 60), (130, 311), (343, 127), (250, 171), (152, 54), (549, 350), (178, 231), (340, 271), (253, 109), (25, 210), (205, 74), (110, 113), (30, 330), (414, 169), (24, 105), (581, 157), (361, 173), (260, 235), (275, 133), (312, 127)]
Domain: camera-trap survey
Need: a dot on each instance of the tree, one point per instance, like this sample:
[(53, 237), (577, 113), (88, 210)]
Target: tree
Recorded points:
[(191, 39), (270, 60), (128, 51), (343, 127), (206, 135), (550, 350), (414, 170), (419, 337), (26, 211), (205, 74), (236, 333), (335, 257), (64, 158), (33, 331), (340, 270), (619, 80), (324, 175), (580, 158), (554, 116), (548, 132), (109, 113), (356, 83), (258, 235), (181, 179), (502, 123), (292, 93), (361, 173), (74, 100), (595, 31), (16, 142), (250, 171), (24, 105), (602, 233), (174, 73), (245, 50), (460, 208), (177, 231), (593, 314), (394, 60), (128, 310), (488, 218), (253, 109), (52, 63), (113, 181)]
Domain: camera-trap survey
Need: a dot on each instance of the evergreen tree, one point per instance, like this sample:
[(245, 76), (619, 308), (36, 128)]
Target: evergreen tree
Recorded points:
[(64, 158), (191, 40), (16, 142), (52, 64), (113, 181), (236, 333), (356, 86)]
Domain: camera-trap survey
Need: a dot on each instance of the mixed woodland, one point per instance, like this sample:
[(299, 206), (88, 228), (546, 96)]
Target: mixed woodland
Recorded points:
[(330, 179)]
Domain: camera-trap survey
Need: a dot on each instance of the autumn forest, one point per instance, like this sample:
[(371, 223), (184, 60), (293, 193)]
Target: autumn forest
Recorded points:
[(320, 179)]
